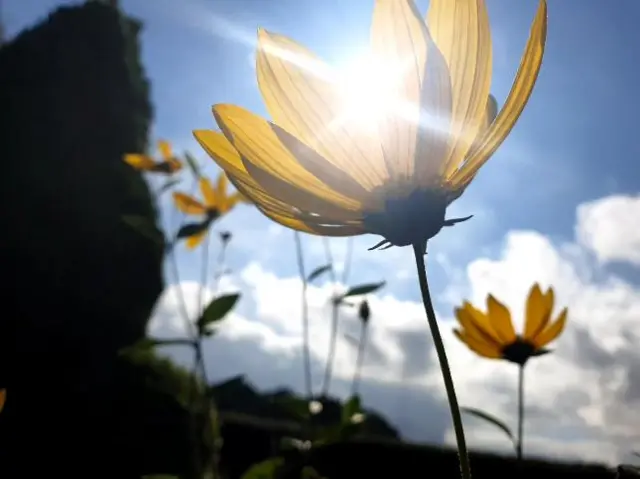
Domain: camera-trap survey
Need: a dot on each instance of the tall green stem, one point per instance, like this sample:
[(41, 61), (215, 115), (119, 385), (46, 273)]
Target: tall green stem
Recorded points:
[(520, 411), (362, 344), (444, 363), (305, 316), (335, 318)]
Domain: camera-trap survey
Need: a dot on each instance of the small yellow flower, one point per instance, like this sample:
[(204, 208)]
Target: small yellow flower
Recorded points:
[(492, 335), (168, 165), (217, 202), (315, 169)]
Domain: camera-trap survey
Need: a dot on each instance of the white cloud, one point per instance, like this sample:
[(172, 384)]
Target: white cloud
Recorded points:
[(581, 400), (611, 228)]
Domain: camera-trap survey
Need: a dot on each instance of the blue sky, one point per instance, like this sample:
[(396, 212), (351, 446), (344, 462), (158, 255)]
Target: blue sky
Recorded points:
[(575, 144)]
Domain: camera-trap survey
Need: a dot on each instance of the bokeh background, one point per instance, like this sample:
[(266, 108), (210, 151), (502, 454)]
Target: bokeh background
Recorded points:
[(557, 204)]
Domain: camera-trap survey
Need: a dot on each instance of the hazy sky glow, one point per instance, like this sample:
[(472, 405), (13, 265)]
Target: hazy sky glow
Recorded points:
[(557, 204)]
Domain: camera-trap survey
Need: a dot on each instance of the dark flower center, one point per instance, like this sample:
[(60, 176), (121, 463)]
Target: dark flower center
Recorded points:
[(519, 351), (411, 220)]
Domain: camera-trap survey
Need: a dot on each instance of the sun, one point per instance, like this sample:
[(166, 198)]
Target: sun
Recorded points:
[(370, 88)]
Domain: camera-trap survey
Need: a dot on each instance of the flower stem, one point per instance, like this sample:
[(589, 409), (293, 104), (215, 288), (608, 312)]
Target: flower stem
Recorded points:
[(444, 363), (520, 411), (305, 316), (362, 343)]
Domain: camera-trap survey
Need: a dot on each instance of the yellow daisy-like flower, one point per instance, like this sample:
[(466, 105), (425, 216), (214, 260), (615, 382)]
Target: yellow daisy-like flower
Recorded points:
[(315, 169), (217, 202), (492, 335), (168, 165)]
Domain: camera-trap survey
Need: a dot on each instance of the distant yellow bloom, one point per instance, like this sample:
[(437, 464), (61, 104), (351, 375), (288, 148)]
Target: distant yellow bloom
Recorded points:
[(168, 165), (216, 203), (3, 398), (316, 169), (492, 335)]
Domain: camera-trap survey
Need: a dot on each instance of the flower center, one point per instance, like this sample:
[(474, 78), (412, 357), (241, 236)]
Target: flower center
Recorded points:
[(409, 220), (519, 351)]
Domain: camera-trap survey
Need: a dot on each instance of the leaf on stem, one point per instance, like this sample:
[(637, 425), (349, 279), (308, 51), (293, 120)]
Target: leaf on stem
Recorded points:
[(192, 163), (362, 289), (319, 271), (192, 229), (168, 185), (264, 470), (217, 310), (146, 227), (491, 419)]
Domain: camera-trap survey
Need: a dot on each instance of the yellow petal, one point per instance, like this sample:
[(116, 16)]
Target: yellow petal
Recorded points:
[(320, 230), (164, 147), (516, 101), (188, 205), (209, 194), (500, 318), (482, 321), (261, 149), (399, 38), (473, 330), (301, 96), (174, 164), (232, 200), (461, 30), (538, 313), (221, 187), (195, 240), (3, 398), (552, 331), (140, 162), (480, 348)]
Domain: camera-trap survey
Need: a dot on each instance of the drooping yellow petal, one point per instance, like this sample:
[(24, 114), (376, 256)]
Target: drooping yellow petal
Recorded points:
[(210, 196), (537, 313), (552, 331), (500, 318), (139, 162), (164, 147), (301, 96), (3, 398), (461, 31), (232, 200), (482, 322), (188, 205), (473, 330), (261, 149), (195, 240), (516, 101), (399, 38), (480, 348)]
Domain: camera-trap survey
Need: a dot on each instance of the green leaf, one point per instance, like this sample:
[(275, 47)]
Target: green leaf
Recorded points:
[(191, 229), (217, 309), (491, 419), (309, 472), (350, 409), (168, 185), (363, 289), (264, 470), (150, 343), (146, 227), (319, 271), (192, 163)]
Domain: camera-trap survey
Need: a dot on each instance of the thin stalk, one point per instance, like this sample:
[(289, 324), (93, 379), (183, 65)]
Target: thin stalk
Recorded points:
[(359, 360), (305, 316), (520, 411), (219, 268), (348, 257), (335, 318), (444, 363)]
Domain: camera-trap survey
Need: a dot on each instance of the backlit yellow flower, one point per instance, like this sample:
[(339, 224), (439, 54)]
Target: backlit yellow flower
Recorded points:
[(216, 203), (168, 165), (491, 334), (388, 164)]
